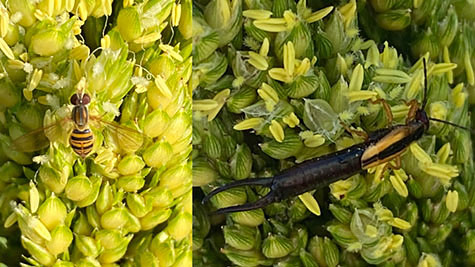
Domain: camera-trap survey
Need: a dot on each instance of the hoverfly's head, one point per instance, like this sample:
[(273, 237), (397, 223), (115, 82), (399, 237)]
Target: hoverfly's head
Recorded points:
[(421, 116), (80, 99)]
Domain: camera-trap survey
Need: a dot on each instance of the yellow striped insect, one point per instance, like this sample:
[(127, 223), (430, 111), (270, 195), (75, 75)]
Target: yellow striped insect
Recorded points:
[(81, 138)]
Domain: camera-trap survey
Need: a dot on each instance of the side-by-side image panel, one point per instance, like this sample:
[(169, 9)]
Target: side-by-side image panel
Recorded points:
[(333, 133), (95, 133)]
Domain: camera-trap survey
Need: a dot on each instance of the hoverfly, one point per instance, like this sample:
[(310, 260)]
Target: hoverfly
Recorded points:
[(81, 137)]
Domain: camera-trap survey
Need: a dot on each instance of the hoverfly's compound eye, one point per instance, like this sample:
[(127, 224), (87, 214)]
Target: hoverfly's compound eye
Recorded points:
[(75, 99), (86, 99)]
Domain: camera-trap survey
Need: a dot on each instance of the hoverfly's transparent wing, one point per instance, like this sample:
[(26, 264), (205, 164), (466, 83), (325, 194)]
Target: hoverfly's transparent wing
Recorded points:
[(129, 139), (37, 139)]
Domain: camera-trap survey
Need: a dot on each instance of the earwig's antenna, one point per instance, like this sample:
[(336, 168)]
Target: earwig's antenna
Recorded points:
[(454, 125), (424, 100), (266, 200)]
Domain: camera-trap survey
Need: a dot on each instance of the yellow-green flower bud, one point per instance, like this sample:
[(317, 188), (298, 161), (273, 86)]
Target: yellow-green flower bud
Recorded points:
[(53, 179), (203, 173), (382, 5), (186, 19), (276, 246), (52, 212), (241, 162), (178, 128), (159, 197), (137, 205), (128, 23), (130, 164), (184, 259), (164, 250), (38, 252), (91, 198), (82, 226), (112, 255), (241, 237), (154, 218), (105, 198), (26, 9), (109, 239), (331, 252), (146, 258), (30, 117), (180, 226), (232, 197), (88, 246), (78, 188), (61, 239), (243, 257), (115, 218), (158, 154), (448, 27), (131, 183), (241, 98), (156, 123), (341, 214), (93, 217), (175, 176)]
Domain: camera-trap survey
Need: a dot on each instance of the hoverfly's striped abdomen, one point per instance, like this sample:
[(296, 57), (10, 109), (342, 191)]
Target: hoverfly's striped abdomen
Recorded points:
[(82, 141)]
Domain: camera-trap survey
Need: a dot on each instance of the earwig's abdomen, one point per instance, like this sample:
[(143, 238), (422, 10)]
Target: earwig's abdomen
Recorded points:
[(319, 172), (82, 141)]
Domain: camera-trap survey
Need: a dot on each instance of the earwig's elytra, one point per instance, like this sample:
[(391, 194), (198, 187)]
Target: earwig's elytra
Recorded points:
[(379, 147), (81, 138)]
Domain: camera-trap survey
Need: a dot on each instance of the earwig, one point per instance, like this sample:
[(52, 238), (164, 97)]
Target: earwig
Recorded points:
[(380, 147)]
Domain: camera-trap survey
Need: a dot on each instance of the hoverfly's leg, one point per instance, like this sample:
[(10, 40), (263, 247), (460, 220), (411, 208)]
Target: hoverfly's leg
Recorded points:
[(397, 163), (413, 107), (386, 107), (363, 134)]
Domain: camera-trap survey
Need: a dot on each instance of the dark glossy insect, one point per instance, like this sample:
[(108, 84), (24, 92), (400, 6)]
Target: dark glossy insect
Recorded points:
[(380, 147), (81, 138)]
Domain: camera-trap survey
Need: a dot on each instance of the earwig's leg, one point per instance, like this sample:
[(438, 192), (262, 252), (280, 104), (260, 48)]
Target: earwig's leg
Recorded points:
[(258, 181), (386, 108), (357, 132), (397, 164), (266, 200), (413, 107)]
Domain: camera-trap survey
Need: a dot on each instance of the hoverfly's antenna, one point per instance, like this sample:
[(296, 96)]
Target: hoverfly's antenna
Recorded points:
[(424, 100)]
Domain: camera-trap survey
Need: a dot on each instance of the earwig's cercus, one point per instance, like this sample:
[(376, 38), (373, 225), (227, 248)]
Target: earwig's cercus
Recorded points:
[(380, 147), (81, 138)]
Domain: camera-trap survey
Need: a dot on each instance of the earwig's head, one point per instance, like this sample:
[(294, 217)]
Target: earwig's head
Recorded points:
[(421, 116), (76, 99)]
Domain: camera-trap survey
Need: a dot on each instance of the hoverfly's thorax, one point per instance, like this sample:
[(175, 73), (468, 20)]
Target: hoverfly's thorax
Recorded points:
[(80, 116)]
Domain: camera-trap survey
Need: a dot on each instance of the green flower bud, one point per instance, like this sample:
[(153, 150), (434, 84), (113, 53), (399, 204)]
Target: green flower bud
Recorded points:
[(243, 257), (394, 20), (241, 98), (382, 5), (146, 258), (38, 252), (301, 38), (105, 198), (128, 24), (299, 238), (52, 212), (180, 226), (184, 259), (158, 154), (164, 250), (88, 262), (48, 39), (131, 183), (211, 69), (138, 206), (212, 146), (426, 43), (412, 250), (241, 237), (61, 239), (330, 252), (60, 263), (87, 245), (251, 218), (303, 86), (340, 213), (448, 28), (276, 246), (438, 234), (463, 197), (82, 226), (30, 117), (414, 188), (468, 243), (342, 235), (440, 213), (78, 188), (241, 162), (307, 259), (232, 197), (186, 19), (226, 17), (115, 218), (289, 147), (203, 173), (154, 218), (156, 123), (10, 169)]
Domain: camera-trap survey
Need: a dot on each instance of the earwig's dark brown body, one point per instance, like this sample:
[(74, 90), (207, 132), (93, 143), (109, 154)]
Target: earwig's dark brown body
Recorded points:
[(380, 147)]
